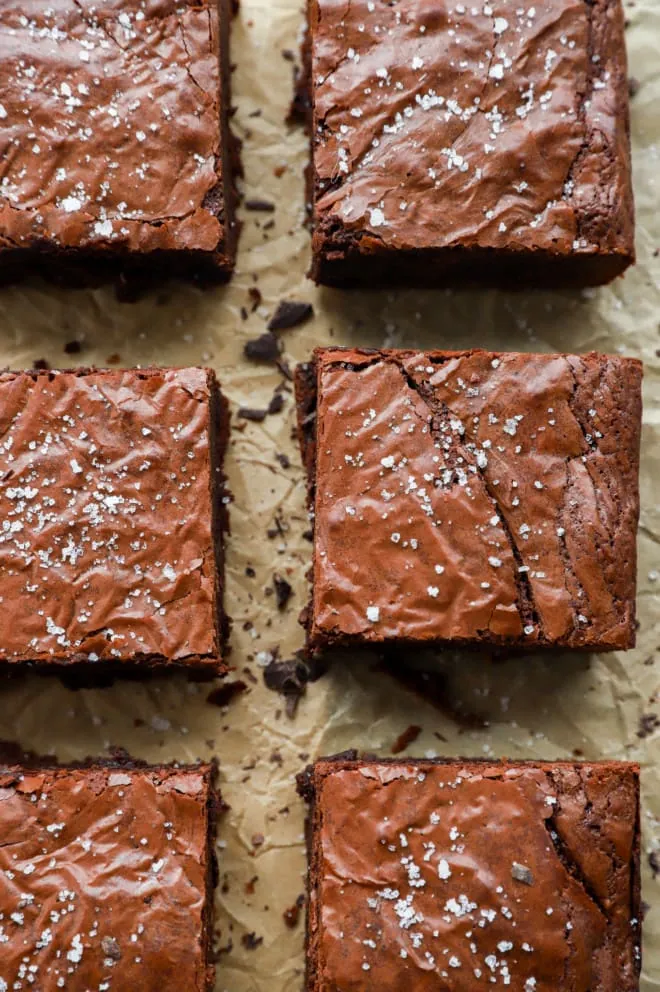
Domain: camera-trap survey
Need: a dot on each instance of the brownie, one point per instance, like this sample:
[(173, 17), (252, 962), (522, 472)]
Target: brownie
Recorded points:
[(112, 509), (117, 159), (455, 143), (107, 875), (465, 875), (472, 498)]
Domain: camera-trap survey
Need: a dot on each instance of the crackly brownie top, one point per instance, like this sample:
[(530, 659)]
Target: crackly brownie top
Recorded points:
[(106, 516), (472, 495), (109, 123), (494, 124), (474, 876), (103, 879)]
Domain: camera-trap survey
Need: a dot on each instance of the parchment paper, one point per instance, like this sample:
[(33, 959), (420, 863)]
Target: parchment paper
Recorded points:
[(536, 707)]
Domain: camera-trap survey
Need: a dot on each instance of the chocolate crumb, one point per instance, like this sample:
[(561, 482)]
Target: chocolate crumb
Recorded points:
[(654, 862), (250, 413), (223, 695), (521, 874), (409, 736), (41, 364), (283, 459), (290, 313), (648, 723), (283, 590), (265, 348), (73, 347), (258, 840), (276, 405), (250, 941), (255, 203), (633, 86)]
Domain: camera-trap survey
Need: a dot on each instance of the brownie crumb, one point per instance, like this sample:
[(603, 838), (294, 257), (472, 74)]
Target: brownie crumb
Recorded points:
[(224, 694), (404, 740), (292, 914), (290, 313)]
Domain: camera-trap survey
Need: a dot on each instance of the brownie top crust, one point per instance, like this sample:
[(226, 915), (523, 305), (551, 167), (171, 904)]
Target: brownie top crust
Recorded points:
[(498, 125), (104, 878), (106, 503), (110, 124), (476, 497), (475, 876)]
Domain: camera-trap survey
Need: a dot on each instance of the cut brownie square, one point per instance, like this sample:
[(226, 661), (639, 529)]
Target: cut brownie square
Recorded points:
[(455, 143), (471, 498), (107, 875), (117, 158), (112, 509), (467, 875)]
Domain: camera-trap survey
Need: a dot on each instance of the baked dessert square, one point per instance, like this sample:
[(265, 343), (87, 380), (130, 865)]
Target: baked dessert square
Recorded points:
[(456, 143), (116, 158), (467, 875), (112, 510), (472, 498), (107, 874)]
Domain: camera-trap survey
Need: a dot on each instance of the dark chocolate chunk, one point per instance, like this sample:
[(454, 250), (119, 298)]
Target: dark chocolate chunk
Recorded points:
[(290, 314)]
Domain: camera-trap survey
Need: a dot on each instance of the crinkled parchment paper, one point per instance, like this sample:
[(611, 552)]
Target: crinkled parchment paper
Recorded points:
[(547, 707)]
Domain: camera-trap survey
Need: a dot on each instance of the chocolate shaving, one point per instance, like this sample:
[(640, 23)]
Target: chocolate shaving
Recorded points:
[(404, 740), (283, 591), (265, 348), (290, 679), (224, 694), (290, 313), (255, 203)]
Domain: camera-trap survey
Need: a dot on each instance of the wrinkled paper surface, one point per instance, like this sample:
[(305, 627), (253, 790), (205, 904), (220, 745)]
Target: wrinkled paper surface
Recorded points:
[(543, 707)]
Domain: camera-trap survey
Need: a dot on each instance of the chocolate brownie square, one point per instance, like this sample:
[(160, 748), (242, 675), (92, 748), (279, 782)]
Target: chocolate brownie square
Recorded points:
[(112, 509), (467, 875), (117, 161), (482, 143), (107, 873), (472, 498)]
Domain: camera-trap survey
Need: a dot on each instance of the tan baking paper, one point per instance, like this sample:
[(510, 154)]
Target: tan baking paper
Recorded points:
[(537, 707)]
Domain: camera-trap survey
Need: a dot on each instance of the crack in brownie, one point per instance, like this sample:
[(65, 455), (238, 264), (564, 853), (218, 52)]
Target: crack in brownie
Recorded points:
[(467, 875), (111, 521), (472, 498), (117, 158), (454, 142)]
